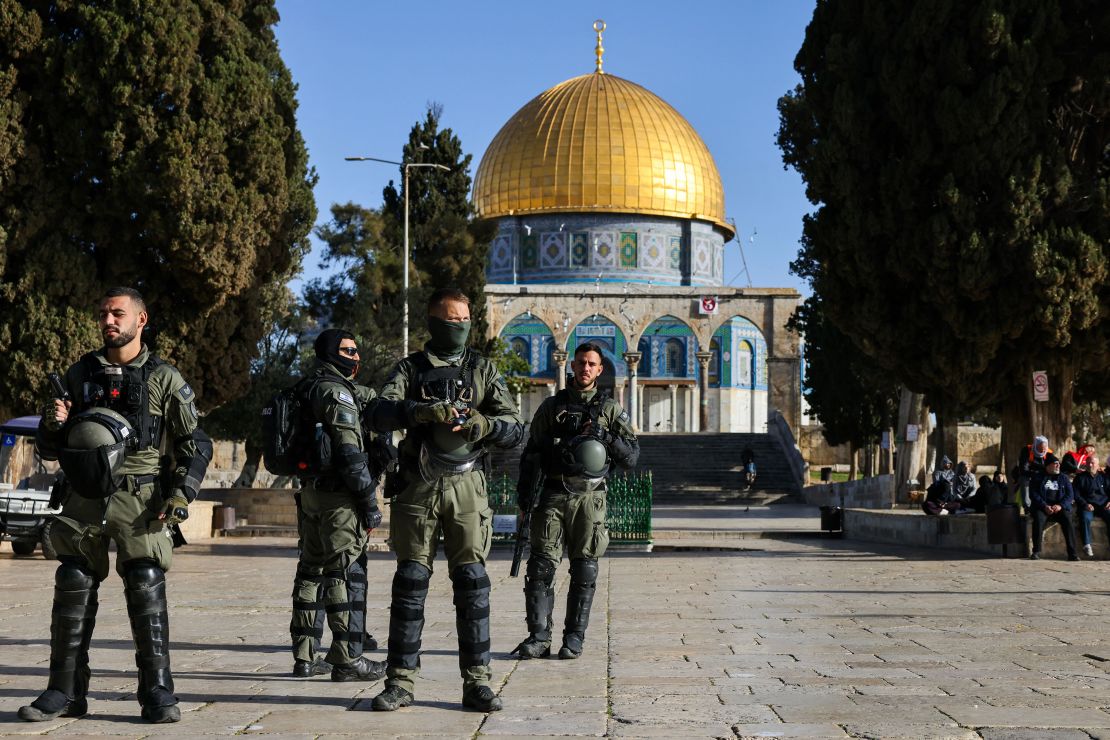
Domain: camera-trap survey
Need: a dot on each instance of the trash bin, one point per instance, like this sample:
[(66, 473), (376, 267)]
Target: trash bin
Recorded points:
[(832, 518), (223, 518), (1004, 525), (826, 475)]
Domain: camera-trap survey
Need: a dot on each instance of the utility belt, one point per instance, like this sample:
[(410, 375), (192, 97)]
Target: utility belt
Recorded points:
[(573, 485)]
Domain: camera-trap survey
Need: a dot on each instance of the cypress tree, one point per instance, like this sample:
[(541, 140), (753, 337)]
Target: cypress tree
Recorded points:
[(957, 153), (152, 145)]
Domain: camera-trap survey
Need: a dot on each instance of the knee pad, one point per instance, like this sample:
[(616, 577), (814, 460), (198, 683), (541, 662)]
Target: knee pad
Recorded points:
[(470, 577), (411, 577), (142, 574), (73, 577), (540, 570), (584, 571)]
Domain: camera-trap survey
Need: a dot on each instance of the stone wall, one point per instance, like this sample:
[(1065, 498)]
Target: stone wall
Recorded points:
[(865, 493)]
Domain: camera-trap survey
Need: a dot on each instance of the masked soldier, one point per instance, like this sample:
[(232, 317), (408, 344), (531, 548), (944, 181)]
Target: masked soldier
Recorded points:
[(455, 405), (338, 507), (121, 404), (574, 437)]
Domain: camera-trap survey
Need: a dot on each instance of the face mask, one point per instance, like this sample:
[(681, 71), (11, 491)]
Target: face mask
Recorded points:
[(448, 337)]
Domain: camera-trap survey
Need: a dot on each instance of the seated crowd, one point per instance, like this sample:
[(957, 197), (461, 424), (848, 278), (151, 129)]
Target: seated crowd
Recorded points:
[(1049, 488)]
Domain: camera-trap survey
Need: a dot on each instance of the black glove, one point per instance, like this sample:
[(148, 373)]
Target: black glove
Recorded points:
[(602, 435), (369, 513)]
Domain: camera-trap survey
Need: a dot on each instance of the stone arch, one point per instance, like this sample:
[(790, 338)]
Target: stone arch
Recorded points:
[(657, 343), (530, 329), (732, 332)]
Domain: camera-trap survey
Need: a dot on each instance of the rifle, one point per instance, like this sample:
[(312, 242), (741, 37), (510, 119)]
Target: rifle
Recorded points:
[(525, 526)]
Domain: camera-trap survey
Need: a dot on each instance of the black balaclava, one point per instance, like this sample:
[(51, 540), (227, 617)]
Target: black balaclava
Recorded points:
[(327, 350)]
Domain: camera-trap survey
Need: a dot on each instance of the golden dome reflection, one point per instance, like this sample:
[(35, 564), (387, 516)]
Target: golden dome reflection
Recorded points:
[(599, 143)]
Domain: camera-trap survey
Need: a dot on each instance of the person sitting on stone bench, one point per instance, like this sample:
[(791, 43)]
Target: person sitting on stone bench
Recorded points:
[(1092, 498), (964, 491), (1051, 500), (940, 499)]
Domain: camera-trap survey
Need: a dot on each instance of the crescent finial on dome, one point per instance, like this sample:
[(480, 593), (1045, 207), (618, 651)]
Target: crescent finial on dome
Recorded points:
[(599, 26)]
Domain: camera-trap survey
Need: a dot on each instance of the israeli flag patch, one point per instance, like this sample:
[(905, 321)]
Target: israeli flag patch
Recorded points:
[(346, 398)]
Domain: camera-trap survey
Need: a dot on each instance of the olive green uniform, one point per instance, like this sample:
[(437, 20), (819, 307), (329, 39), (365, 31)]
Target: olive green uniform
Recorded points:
[(454, 505), (567, 515), (129, 517), (333, 539)]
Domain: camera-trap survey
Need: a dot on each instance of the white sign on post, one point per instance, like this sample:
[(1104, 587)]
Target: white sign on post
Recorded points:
[(504, 523), (911, 432), (1040, 385), (707, 306), (884, 443)]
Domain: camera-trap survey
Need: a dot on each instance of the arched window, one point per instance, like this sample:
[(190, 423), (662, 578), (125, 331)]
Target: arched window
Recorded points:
[(744, 365), (714, 362), (674, 358), (520, 348), (644, 348)]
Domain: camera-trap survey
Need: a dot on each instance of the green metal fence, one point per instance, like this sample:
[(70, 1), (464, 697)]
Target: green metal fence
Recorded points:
[(628, 507)]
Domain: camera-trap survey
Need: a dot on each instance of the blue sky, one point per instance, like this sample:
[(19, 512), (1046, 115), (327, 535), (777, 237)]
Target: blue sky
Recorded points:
[(366, 71)]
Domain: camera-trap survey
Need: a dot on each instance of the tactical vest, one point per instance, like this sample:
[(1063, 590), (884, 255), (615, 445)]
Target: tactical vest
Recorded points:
[(438, 450), (124, 389), (570, 418)]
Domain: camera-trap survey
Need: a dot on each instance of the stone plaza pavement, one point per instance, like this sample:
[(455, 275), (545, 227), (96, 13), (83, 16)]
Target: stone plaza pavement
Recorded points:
[(709, 637)]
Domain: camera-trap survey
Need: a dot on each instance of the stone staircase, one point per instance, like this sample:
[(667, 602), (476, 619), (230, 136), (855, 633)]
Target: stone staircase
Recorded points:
[(702, 468)]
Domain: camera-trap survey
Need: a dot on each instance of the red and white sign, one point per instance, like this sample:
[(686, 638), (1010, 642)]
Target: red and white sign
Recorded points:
[(1040, 385), (707, 306)]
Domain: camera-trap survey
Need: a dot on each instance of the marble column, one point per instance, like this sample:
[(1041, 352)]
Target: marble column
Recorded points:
[(673, 389), (560, 358), (632, 359), (703, 390)]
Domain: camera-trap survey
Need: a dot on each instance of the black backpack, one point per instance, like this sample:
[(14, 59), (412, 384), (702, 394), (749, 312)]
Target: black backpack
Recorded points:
[(288, 435)]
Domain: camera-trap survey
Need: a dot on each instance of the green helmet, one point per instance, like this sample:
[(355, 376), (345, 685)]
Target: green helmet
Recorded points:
[(99, 428), (591, 455)]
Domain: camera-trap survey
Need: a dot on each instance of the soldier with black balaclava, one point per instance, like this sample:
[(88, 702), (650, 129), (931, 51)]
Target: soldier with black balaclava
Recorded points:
[(455, 406), (338, 508), (120, 405), (574, 439)]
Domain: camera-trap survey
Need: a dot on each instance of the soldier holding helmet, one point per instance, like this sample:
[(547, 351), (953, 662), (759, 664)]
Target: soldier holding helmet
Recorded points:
[(574, 437), (123, 401), (455, 405)]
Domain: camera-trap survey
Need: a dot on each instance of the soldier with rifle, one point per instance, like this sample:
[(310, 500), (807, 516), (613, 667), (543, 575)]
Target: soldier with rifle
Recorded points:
[(575, 436)]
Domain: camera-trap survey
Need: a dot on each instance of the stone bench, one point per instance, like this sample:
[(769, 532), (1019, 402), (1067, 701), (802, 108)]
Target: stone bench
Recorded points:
[(967, 532)]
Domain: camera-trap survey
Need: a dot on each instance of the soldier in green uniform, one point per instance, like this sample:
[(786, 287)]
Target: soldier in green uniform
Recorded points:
[(455, 405), (338, 507), (574, 436), (124, 404)]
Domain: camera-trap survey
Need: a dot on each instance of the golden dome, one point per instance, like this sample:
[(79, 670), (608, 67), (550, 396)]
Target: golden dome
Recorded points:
[(599, 143)]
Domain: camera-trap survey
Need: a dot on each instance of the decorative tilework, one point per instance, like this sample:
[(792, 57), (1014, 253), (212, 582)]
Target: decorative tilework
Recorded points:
[(604, 253), (553, 249), (580, 249), (676, 253), (501, 253), (652, 253), (700, 257), (529, 252), (718, 262), (628, 249)]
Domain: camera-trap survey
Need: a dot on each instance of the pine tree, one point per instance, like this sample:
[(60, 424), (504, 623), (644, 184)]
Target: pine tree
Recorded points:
[(957, 156), (449, 248), (151, 145)]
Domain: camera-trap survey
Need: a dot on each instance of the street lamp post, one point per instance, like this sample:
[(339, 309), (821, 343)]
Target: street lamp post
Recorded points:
[(405, 268)]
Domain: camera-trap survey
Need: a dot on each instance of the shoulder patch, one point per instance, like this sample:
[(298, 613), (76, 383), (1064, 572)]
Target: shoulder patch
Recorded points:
[(346, 398), (499, 382), (185, 394), (624, 418)]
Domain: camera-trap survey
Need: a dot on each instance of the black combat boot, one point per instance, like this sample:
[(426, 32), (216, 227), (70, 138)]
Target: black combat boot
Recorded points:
[(150, 627), (580, 597), (539, 600), (481, 698), (360, 669), (307, 669), (71, 626)]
